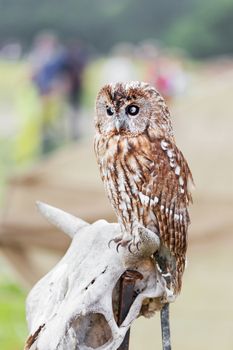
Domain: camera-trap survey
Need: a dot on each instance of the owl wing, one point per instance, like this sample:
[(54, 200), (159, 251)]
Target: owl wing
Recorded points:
[(171, 186), (165, 184)]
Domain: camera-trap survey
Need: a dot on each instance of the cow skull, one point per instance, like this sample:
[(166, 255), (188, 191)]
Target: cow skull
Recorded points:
[(74, 307)]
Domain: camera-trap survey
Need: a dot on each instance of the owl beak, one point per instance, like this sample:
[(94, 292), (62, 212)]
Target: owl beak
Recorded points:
[(119, 123)]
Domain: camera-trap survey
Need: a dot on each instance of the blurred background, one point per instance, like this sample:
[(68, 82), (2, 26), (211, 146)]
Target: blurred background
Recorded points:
[(54, 56)]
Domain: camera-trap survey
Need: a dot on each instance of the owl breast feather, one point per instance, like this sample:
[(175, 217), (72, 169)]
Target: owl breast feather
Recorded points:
[(127, 175)]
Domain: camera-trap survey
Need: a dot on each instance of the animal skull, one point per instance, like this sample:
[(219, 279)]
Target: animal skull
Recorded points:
[(74, 307)]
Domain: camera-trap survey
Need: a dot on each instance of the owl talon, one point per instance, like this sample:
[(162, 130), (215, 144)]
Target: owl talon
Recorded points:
[(117, 247), (129, 247), (137, 245), (109, 243)]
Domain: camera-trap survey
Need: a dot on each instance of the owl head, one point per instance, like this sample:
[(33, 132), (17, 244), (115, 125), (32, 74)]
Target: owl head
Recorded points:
[(129, 109)]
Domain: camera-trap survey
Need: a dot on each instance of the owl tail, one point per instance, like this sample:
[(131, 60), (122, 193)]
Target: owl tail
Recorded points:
[(172, 269)]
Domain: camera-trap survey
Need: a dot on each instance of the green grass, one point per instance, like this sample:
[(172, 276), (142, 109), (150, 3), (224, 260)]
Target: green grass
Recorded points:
[(13, 329)]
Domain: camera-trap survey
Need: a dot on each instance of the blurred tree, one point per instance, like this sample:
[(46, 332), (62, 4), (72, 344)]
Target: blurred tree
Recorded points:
[(203, 28), (207, 31), (100, 23)]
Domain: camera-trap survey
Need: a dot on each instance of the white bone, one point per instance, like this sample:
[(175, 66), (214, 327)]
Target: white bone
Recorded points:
[(71, 307), (65, 222)]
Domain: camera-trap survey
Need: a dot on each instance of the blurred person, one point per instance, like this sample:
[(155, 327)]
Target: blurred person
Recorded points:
[(167, 75), (120, 65), (58, 80), (45, 46), (45, 59), (73, 69)]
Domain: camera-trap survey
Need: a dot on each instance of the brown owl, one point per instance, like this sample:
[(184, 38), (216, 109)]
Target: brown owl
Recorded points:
[(145, 175)]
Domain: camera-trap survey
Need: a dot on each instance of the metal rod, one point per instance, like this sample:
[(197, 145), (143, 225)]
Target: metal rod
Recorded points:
[(165, 326), (126, 299)]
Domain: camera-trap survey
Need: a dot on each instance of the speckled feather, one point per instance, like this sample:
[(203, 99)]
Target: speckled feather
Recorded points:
[(145, 175)]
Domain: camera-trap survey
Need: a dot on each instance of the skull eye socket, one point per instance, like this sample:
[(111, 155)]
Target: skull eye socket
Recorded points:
[(132, 110), (109, 110)]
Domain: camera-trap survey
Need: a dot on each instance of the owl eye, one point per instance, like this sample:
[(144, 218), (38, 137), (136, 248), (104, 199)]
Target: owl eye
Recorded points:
[(132, 110), (109, 110)]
